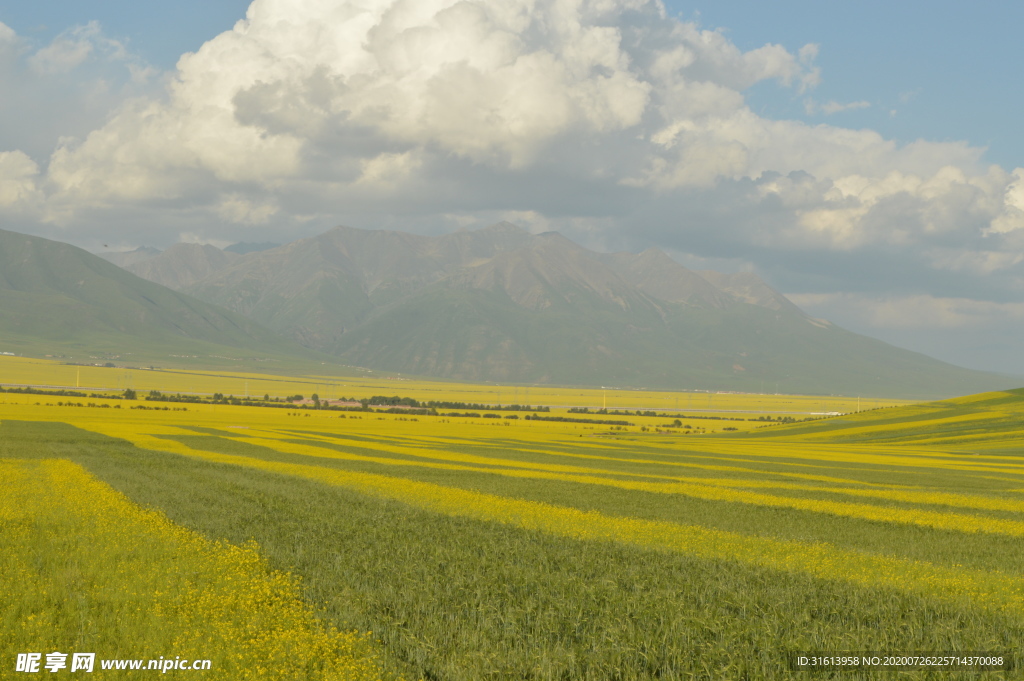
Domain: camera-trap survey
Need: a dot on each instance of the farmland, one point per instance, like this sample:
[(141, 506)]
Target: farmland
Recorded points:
[(20, 371), (89, 568), (469, 547)]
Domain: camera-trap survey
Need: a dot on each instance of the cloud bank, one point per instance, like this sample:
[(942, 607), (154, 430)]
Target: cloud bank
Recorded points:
[(607, 119)]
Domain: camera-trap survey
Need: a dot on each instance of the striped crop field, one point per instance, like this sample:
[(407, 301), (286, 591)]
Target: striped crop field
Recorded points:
[(88, 571), (494, 547)]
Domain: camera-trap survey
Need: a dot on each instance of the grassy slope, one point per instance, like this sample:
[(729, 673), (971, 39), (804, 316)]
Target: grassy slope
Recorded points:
[(989, 422), (60, 299)]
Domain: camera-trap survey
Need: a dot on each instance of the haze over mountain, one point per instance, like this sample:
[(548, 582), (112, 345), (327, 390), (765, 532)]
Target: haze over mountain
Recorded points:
[(182, 265), (501, 304), (57, 298), (129, 258)]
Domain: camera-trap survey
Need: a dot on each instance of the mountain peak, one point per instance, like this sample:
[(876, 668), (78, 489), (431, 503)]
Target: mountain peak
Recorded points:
[(505, 227), (181, 265)]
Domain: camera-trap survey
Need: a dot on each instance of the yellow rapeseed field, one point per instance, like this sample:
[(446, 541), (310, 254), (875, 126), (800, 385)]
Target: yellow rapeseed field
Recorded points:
[(281, 432), (920, 502), (86, 570), (999, 592), (95, 376)]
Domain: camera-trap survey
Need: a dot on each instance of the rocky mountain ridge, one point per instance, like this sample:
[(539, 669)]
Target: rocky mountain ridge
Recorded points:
[(502, 304)]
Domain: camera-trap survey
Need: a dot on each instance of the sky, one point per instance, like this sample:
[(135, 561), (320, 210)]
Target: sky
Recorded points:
[(863, 158)]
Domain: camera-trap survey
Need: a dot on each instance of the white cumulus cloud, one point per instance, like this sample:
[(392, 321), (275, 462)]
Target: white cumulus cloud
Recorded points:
[(238, 209), (493, 83), (19, 189), (812, 106)]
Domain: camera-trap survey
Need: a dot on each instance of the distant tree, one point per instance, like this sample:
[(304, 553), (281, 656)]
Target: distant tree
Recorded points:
[(129, 394)]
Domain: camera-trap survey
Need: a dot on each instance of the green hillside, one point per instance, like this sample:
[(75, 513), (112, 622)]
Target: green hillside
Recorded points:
[(989, 423), (58, 299)]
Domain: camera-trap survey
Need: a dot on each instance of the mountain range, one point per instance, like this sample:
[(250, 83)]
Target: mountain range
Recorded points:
[(502, 304)]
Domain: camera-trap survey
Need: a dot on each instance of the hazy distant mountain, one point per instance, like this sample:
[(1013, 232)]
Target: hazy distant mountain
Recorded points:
[(245, 247), (501, 304), (182, 265), (56, 297), (128, 258), (317, 289)]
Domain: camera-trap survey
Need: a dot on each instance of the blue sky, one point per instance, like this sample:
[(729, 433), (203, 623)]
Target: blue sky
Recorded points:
[(938, 70), (159, 32), (864, 158)]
